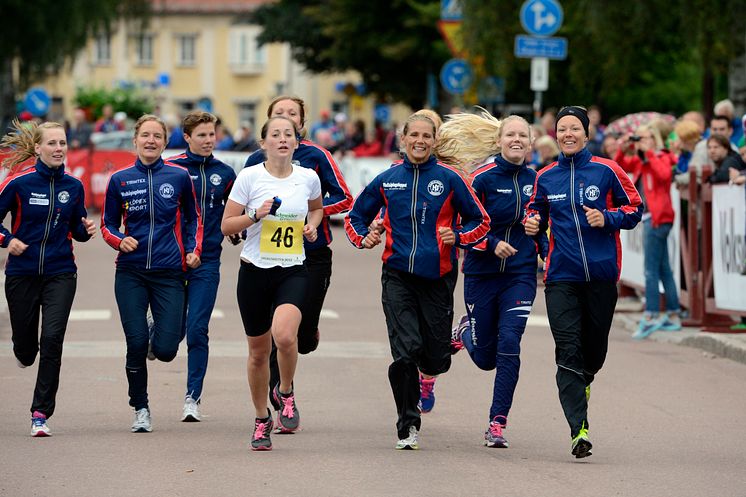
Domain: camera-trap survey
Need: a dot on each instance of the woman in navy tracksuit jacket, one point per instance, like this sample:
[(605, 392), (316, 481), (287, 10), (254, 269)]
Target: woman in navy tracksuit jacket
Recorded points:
[(150, 198), (47, 208), (337, 199), (586, 200), (212, 181), (500, 272), (423, 199)]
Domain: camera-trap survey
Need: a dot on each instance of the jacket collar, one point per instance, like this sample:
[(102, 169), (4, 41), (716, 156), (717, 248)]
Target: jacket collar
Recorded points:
[(49, 172), (580, 159), (425, 165), (505, 165), (199, 158), (152, 167)]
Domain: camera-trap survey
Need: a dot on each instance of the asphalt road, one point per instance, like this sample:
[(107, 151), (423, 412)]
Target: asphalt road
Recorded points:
[(665, 420)]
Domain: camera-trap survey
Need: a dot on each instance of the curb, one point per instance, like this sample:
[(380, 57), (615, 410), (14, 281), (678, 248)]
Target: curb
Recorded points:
[(728, 346)]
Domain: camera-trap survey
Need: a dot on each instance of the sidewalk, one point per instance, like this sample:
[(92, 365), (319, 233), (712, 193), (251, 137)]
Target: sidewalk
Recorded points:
[(728, 345)]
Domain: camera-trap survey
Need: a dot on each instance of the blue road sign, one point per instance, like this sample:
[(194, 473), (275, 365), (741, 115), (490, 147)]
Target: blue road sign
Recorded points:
[(528, 47), (456, 76), (541, 17), (205, 104), (450, 10), (37, 102)]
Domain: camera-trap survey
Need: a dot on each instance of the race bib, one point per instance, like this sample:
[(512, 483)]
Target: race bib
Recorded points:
[(281, 240)]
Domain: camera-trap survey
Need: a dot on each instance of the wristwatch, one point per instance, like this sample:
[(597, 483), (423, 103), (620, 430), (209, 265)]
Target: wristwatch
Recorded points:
[(252, 214)]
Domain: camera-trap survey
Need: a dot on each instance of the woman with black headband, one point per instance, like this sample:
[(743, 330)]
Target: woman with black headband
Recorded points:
[(587, 200)]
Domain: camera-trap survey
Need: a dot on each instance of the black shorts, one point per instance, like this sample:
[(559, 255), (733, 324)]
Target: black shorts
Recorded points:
[(261, 290)]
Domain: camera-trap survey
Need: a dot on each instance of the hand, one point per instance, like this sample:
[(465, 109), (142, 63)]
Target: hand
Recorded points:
[(235, 238), (263, 210), (377, 225), (90, 226), (192, 260), (733, 174), (447, 235), (310, 233), (127, 245), (16, 247), (372, 239), (531, 226), (504, 250), (595, 217)]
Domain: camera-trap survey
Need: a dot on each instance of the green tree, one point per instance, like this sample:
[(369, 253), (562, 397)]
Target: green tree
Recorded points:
[(39, 37), (626, 56), (394, 45)]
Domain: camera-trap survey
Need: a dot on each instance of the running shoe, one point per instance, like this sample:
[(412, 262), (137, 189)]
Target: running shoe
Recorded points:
[(581, 445), (151, 327), (588, 393), (142, 423), (20, 364), (39, 427), (646, 328), (412, 442), (191, 410), (260, 439), (493, 437), (288, 417), (457, 333), (669, 323), (427, 394)]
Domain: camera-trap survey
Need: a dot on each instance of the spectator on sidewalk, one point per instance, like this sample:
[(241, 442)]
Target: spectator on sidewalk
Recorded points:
[(106, 123), (80, 130)]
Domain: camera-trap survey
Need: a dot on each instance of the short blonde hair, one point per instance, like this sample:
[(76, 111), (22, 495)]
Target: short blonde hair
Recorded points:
[(655, 132), (432, 115), (687, 130)]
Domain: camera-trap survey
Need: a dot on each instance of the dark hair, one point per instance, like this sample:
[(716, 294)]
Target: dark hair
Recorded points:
[(265, 127), (297, 100), (723, 141), (195, 118), (720, 117)]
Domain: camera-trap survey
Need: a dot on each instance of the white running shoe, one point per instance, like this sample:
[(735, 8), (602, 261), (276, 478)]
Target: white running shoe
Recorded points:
[(412, 442), (39, 427), (142, 424), (191, 410)]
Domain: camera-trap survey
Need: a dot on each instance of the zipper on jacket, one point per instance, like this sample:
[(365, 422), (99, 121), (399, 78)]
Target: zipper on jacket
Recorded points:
[(413, 215), (152, 219), (204, 188), (504, 262), (47, 228), (577, 221)]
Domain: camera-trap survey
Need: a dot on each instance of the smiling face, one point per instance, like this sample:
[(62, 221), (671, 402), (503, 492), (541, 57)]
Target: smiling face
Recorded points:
[(418, 140), (150, 142), (52, 150), (202, 140), (570, 135), (514, 141), (280, 141)]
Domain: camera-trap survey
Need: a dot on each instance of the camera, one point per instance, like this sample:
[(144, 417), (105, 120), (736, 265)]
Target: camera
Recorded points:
[(634, 138)]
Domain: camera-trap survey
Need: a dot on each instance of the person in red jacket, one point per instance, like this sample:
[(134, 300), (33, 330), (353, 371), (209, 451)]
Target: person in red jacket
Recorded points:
[(652, 166)]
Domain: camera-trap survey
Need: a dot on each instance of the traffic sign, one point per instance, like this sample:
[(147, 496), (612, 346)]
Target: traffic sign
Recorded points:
[(528, 47), (37, 102), (456, 76), (451, 32), (539, 74), (382, 113), (450, 10), (541, 17)]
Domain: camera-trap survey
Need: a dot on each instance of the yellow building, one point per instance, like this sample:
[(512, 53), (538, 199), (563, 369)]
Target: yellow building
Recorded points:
[(205, 54)]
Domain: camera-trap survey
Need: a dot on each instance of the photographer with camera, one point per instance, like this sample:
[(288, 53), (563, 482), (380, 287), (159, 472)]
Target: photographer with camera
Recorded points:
[(643, 156)]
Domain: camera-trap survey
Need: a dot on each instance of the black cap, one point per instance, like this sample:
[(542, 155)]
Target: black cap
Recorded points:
[(578, 112)]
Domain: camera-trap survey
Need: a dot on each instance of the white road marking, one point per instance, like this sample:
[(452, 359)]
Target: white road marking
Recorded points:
[(329, 314), (538, 320), (90, 315)]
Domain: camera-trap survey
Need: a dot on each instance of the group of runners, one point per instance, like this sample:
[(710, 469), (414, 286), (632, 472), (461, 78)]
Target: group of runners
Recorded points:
[(460, 186)]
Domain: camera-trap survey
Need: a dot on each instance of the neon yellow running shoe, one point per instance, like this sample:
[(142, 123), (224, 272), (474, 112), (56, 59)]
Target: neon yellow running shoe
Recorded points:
[(588, 393), (581, 445)]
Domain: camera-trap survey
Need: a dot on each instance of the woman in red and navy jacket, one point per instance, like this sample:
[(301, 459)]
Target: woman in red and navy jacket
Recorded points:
[(337, 199), (651, 167), (212, 181), (423, 199), (150, 198), (586, 200), (500, 272), (47, 208)]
